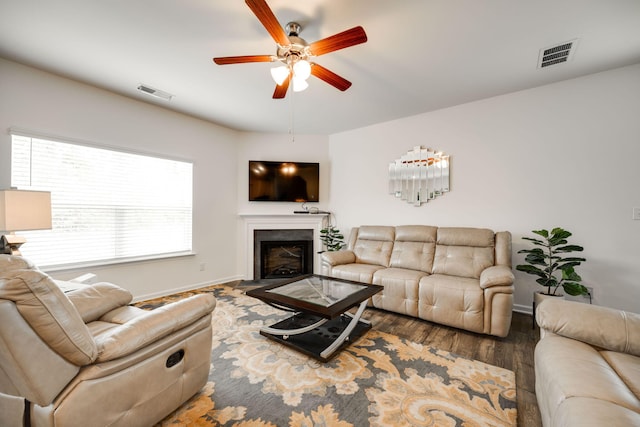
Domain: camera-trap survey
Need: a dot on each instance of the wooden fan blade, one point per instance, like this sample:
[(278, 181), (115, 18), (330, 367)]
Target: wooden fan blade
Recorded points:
[(263, 12), (281, 90), (351, 37), (226, 60), (330, 77)]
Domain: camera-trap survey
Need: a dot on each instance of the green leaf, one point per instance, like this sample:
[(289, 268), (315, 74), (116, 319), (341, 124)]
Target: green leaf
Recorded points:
[(568, 264), (530, 269), (560, 233), (543, 233), (569, 248), (535, 241), (549, 282), (575, 289), (569, 274), (555, 241)]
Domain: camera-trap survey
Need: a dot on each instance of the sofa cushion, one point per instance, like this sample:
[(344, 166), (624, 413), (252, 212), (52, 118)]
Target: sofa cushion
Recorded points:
[(414, 247), (463, 252), (47, 310), (588, 412), (400, 292), (566, 368), (95, 300), (627, 366), (374, 244), (462, 261), (450, 300), (466, 236)]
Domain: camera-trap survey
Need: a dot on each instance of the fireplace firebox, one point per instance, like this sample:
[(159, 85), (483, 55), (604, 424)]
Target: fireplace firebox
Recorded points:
[(283, 259), (282, 253)]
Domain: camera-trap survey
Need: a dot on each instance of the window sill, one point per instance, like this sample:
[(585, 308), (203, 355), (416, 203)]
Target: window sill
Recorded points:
[(110, 262)]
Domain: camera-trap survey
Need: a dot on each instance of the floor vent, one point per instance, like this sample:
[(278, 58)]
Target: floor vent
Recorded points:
[(557, 54)]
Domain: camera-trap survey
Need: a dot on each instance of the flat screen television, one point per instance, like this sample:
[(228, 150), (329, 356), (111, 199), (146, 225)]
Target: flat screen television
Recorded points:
[(283, 181)]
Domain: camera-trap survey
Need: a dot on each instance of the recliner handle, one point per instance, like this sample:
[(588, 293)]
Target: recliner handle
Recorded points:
[(175, 358)]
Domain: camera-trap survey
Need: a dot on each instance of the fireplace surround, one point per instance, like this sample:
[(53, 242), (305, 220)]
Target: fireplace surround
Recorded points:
[(260, 221)]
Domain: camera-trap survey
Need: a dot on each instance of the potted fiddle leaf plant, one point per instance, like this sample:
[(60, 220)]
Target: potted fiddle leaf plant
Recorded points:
[(548, 261), (332, 238)]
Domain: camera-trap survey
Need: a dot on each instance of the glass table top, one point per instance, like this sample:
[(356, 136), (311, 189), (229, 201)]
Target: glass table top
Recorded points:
[(317, 290)]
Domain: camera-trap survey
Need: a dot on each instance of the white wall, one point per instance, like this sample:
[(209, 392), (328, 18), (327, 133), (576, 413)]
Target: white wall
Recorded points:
[(42, 102), (559, 155)]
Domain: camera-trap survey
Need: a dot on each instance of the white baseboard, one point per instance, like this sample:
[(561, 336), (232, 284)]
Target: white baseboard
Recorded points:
[(186, 288), (520, 308)]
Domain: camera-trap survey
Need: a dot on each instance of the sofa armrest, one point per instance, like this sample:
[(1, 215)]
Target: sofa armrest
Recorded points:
[(334, 258), (93, 301), (497, 275), (603, 327), (152, 326)]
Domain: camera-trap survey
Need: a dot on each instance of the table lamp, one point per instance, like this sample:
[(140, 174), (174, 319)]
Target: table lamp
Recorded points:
[(22, 210)]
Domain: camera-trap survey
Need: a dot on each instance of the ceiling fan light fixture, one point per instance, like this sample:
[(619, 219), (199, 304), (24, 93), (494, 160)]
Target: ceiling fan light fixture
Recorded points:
[(280, 74), (299, 84), (302, 69), (295, 52)]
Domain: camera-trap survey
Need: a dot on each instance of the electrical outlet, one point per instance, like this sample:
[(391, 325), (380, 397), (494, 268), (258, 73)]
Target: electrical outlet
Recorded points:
[(203, 266), (636, 213)]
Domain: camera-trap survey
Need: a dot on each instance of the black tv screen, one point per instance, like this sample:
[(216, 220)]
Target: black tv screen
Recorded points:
[(283, 181)]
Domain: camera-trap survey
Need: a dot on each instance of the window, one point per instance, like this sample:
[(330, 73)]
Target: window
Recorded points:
[(107, 205)]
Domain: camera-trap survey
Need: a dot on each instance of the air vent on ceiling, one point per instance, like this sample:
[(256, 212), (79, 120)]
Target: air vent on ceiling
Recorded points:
[(155, 92), (557, 54)]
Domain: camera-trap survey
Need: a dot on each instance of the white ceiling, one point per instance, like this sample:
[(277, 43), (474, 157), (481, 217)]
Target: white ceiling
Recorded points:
[(422, 55)]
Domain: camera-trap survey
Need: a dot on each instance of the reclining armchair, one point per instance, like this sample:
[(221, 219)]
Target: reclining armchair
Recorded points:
[(86, 357)]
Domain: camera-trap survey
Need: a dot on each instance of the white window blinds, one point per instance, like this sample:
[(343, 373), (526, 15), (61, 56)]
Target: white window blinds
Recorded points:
[(107, 205)]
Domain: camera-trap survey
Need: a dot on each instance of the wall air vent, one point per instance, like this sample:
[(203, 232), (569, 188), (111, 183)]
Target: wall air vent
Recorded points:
[(557, 54), (155, 92)]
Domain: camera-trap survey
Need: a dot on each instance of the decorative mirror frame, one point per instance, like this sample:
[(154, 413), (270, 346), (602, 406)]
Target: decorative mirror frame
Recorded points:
[(420, 175)]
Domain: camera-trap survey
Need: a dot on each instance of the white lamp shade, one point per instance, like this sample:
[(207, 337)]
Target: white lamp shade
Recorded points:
[(302, 69), (280, 74), (299, 84), (25, 210)]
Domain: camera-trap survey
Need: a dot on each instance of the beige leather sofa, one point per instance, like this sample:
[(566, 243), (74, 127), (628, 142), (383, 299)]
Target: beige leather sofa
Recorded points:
[(88, 358), (459, 277), (587, 365)]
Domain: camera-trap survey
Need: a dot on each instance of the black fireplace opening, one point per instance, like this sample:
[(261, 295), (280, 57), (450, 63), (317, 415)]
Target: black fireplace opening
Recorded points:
[(281, 254), (282, 259)]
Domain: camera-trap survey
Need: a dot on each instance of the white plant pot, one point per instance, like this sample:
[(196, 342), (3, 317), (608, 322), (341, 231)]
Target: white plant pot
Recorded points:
[(538, 297)]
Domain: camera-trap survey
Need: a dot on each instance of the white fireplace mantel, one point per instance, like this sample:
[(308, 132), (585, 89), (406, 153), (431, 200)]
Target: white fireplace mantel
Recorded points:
[(256, 221)]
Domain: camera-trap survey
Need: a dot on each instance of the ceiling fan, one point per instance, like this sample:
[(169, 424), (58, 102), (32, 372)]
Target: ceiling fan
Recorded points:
[(295, 53)]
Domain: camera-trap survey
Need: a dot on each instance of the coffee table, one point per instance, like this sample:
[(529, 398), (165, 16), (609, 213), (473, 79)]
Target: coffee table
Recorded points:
[(321, 324)]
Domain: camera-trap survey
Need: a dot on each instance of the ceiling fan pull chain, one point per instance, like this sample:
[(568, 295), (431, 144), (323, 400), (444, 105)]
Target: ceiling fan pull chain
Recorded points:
[(291, 123)]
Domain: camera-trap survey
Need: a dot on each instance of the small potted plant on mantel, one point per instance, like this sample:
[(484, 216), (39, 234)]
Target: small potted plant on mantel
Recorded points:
[(548, 263)]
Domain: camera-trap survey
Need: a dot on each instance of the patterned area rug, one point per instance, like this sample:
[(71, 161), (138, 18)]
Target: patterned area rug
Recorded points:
[(380, 380)]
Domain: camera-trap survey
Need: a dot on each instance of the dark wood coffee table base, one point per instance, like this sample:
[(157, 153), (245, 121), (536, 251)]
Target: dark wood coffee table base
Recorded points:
[(322, 324), (316, 341)]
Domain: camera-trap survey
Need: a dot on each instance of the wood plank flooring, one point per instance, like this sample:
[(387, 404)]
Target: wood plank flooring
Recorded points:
[(514, 352)]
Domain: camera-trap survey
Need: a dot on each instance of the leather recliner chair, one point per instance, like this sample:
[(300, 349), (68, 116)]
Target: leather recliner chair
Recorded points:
[(88, 358)]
